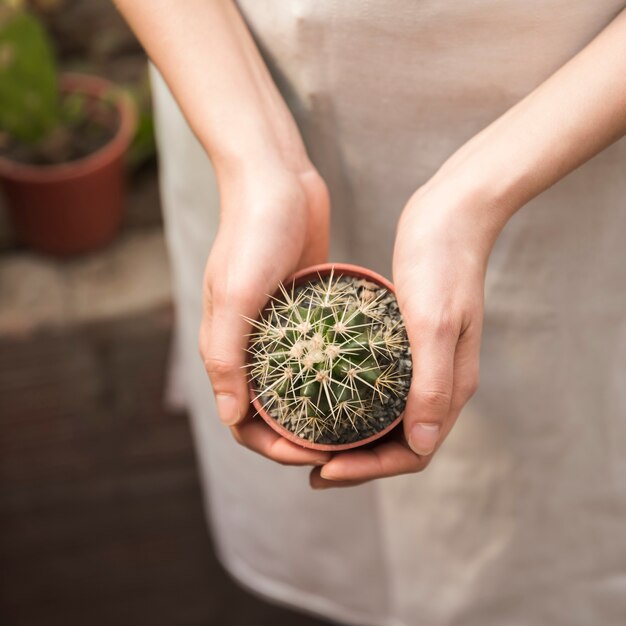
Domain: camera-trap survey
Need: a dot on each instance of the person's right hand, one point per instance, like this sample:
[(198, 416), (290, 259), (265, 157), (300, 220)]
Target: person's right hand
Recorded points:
[(274, 205), (274, 220)]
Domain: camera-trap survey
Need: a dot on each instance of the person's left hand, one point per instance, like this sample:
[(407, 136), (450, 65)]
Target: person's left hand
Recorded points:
[(439, 264)]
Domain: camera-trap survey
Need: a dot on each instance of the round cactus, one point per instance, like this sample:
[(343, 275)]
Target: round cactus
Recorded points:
[(330, 359)]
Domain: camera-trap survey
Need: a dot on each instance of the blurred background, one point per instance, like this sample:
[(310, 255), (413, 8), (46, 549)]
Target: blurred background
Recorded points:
[(101, 518)]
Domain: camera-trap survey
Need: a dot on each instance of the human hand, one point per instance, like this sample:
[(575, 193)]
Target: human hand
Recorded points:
[(274, 220), (439, 264), (274, 205)]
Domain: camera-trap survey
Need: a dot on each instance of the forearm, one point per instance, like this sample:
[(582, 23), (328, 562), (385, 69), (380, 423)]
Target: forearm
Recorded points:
[(209, 60), (575, 114)]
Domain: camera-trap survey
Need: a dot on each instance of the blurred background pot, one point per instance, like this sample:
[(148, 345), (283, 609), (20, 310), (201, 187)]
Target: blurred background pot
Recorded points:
[(299, 278), (74, 207)]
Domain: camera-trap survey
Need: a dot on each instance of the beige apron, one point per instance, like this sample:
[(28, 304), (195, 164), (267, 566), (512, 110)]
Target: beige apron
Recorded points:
[(521, 518)]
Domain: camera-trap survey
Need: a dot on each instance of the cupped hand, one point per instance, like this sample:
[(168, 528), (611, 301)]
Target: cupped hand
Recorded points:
[(439, 264), (273, 221)]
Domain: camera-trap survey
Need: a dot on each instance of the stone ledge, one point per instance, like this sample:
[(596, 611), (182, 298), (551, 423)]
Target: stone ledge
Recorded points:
[(126, 278)]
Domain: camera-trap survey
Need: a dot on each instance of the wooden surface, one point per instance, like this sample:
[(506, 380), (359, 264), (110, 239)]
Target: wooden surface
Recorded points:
[(100, 513)]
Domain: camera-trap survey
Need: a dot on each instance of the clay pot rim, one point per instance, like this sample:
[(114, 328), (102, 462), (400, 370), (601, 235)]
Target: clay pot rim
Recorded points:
[(97, 87), (298, 278)]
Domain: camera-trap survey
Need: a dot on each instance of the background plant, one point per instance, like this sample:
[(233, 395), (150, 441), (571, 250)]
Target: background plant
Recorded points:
[(29, 95), (34, 112)]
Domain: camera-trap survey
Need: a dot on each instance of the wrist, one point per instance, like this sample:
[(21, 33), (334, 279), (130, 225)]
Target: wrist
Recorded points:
[(455, 214), (466, 194), (251, 131), (254, 151)]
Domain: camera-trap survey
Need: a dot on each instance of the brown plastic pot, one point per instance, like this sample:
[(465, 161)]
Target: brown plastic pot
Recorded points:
[(299, 278), (77, 206)]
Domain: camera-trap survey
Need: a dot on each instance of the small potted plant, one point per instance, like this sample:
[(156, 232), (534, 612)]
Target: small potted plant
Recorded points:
[(62, 143), (329, 363)]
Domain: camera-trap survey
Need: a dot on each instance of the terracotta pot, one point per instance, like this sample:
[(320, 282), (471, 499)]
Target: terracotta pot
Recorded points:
[(301, 277), (76, 206)]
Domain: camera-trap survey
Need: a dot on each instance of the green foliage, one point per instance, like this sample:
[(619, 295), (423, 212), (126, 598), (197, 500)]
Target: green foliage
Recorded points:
[(72, 109), (29, 96), (322, 354), (39, 123)]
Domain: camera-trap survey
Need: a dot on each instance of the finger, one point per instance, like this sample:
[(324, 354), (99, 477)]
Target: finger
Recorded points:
[(391, 458), (222, 345), (466, 366), (433, 341), (466, 372), (317, 482), (255, 434), (225, 355), (233, 292)]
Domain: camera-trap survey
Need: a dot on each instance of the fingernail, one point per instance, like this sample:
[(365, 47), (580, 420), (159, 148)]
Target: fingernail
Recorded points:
[(324, 474), (423, 438), (227, 408), (320, 461)]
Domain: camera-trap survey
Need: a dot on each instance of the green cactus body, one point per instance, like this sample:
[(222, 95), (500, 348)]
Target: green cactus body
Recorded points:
[(29, 96), (330, 359), (42, 123)]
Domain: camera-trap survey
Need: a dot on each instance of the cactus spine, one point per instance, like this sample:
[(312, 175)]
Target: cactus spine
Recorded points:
[(326, 359)]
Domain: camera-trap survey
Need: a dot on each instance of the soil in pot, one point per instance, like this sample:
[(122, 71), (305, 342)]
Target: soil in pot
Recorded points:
[(330, 359), (76, 205), (86, 124)]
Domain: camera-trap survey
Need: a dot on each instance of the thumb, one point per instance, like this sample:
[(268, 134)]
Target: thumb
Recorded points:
[(428, 405), (230, 297), (222, 351)]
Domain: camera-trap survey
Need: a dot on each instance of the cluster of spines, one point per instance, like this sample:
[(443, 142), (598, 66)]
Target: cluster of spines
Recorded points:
[(321, 356)]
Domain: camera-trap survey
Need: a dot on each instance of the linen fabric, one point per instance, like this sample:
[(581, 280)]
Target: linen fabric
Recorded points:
[(520, 520)]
